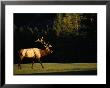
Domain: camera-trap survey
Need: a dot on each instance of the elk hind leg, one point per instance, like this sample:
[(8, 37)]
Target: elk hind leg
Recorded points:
[(19, 63), (32, 64)]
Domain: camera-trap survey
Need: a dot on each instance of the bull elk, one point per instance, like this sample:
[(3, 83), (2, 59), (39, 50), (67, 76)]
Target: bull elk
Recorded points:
[(35, 53)]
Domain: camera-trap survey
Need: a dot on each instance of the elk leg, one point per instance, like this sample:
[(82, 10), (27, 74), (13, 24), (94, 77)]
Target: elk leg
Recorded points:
[(32, 64), (19, 65), (41, 63), (20, 61)]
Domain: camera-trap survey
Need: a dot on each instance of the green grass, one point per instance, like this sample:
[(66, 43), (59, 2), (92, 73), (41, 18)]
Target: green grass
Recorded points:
[(54, 67)]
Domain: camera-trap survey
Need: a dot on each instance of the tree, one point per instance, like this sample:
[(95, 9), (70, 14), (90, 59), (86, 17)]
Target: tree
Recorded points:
[(67, 24)]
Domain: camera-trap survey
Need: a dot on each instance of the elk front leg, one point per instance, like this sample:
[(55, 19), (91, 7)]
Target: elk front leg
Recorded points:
[(41, 63)]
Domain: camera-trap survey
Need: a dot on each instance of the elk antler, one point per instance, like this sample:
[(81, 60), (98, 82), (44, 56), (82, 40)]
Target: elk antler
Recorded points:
[(41, 40)]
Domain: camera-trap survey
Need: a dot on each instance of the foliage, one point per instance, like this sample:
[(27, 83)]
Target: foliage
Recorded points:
[(67, 24), (63, 25)]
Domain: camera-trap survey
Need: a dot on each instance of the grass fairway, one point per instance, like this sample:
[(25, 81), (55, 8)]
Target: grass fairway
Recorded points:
[(57, 69)]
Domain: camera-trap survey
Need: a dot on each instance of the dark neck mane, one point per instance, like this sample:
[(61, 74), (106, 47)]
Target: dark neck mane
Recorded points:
[(44, 52)]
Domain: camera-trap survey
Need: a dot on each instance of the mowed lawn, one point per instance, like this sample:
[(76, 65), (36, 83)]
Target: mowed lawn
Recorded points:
[(57, 68)]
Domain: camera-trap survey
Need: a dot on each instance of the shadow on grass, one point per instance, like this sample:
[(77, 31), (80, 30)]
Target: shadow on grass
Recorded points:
[(91, 72)]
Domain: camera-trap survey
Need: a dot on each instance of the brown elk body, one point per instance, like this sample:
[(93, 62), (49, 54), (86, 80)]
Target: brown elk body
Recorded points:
[(34, 53)]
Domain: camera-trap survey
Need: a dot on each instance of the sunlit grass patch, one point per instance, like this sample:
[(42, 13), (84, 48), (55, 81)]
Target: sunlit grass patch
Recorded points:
[(54, 67)]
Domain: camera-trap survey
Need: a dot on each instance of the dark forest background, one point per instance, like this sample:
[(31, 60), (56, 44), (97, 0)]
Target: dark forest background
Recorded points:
[(72, 35)]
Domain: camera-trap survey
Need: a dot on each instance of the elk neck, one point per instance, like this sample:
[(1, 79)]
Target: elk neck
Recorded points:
[(44, 52)]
